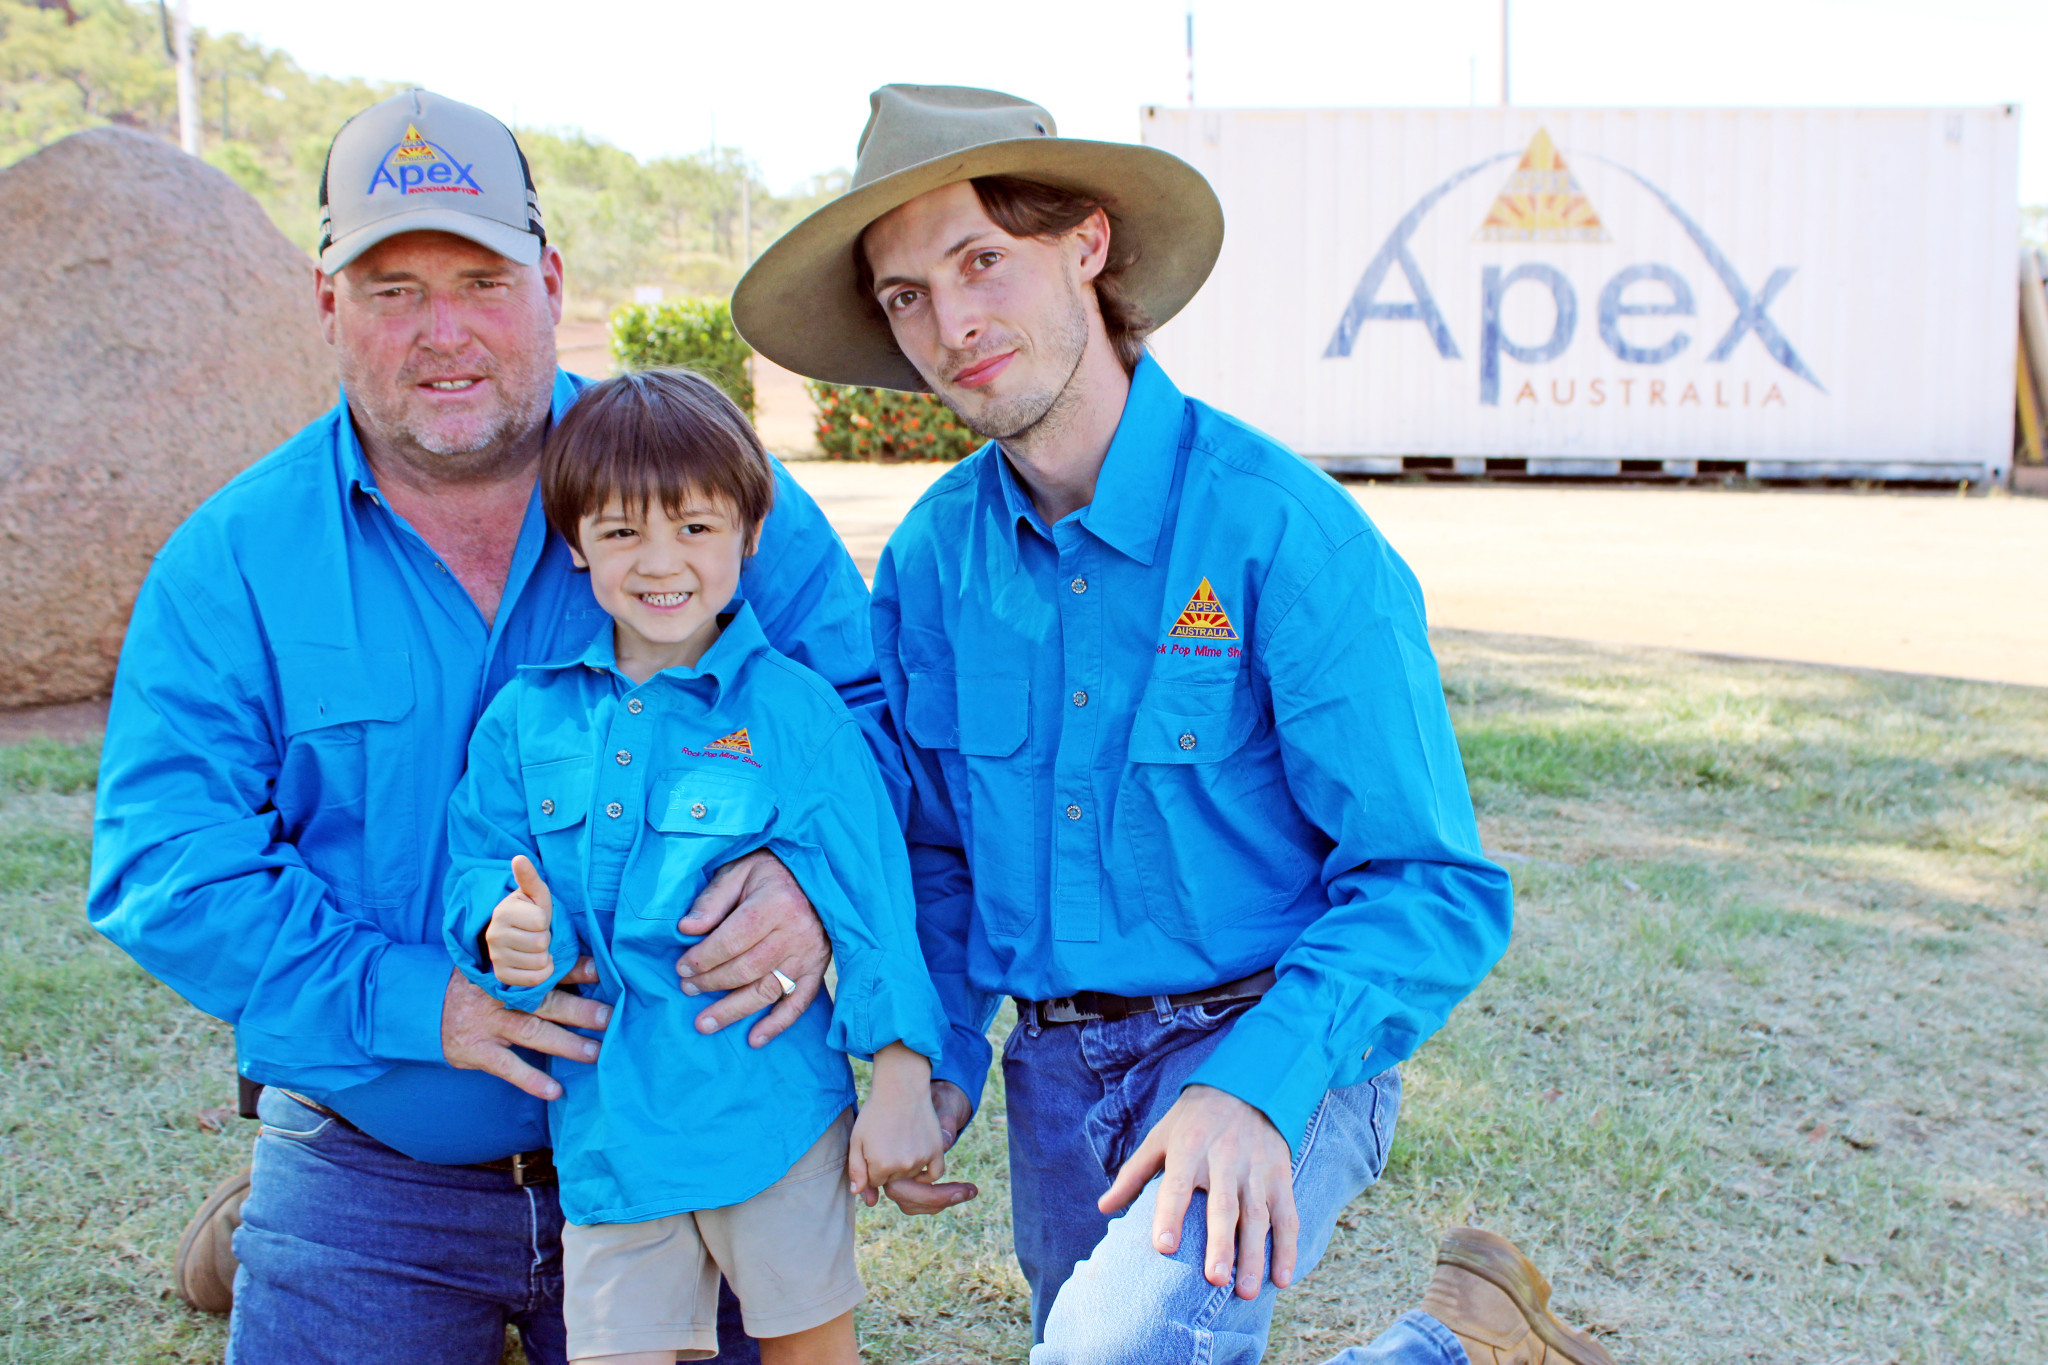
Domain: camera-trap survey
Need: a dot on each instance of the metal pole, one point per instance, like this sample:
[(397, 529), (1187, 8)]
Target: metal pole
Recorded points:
[(1191, 54), (1504, 101), (188, 81)]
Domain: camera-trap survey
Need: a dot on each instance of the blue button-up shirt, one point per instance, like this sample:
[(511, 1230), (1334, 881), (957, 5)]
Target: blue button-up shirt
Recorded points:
[(627, 797), (1191, 731), (295, 694)]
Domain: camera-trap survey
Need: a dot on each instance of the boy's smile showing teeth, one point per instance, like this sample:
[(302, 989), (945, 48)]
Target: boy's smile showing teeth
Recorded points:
[(625, 545)]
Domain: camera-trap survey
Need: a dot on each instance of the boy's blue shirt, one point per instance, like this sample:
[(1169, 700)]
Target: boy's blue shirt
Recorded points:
[(627, 797), (1191, 731), (294, 702)]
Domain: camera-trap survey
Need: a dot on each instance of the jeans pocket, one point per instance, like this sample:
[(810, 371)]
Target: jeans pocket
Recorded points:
[(286, 1116), (1215, 1016)]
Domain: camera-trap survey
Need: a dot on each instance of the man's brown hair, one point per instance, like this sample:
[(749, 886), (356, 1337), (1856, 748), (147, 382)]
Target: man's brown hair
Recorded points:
[(645, 434), (1031, 208)]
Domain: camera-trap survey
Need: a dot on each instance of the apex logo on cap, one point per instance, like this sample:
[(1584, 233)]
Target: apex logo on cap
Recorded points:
[(417, 166)]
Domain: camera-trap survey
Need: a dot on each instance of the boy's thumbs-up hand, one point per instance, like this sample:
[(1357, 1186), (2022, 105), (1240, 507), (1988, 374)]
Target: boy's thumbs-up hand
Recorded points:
[(518, 934)]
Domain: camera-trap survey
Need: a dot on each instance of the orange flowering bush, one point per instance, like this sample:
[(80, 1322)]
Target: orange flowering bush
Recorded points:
[(884, 425)]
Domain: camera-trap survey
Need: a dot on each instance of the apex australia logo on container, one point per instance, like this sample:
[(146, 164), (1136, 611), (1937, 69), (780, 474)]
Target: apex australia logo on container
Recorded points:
[(1543, 203), (417, 166)]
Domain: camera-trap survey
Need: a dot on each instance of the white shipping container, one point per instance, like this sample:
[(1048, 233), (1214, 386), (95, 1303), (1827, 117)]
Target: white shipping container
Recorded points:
[(1790, 293)]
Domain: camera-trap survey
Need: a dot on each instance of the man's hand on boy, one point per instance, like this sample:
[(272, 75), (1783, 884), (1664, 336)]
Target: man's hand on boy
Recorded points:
[(896, 1135), (478, 1033), (759, 922), (916, 1196), (518, 934)]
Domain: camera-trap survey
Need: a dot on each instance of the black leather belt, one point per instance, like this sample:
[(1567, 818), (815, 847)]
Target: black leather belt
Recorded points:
[(526, 1168), (1084, 1007)]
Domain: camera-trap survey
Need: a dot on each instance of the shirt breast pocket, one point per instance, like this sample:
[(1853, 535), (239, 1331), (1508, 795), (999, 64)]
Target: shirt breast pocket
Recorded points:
[(698, 820), (1203, 809), (344, 786), (557, 809), (976, 725)]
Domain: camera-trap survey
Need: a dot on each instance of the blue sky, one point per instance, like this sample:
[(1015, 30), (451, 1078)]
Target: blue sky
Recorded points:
[(788, 81)]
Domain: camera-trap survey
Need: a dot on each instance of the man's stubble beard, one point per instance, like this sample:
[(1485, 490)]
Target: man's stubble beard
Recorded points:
[(1041, 411), (436, 457)]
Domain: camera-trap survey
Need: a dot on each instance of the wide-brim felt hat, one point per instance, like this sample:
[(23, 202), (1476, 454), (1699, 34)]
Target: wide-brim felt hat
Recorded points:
[(801, 304)]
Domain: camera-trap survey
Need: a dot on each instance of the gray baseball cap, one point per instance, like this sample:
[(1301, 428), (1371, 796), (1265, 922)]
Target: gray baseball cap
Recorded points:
[(421, 163)]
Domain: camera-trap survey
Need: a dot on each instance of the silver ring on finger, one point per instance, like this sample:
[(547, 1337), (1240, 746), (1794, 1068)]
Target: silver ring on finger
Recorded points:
[(782, 980)]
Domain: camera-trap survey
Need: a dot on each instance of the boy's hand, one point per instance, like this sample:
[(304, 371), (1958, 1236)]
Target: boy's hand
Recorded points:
[(897, 1133), (518, 934), (933, 1194)]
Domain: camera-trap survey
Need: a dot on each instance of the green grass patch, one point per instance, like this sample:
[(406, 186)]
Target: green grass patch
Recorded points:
[(49, 765), (1758, 1079)]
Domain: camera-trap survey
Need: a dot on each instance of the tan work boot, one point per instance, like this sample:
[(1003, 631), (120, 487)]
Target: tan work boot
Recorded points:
[(1498, 1304), (204, 1272)]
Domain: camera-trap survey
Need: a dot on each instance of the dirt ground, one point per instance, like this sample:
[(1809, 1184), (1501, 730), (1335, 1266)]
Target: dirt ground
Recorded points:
[(1914, 583)]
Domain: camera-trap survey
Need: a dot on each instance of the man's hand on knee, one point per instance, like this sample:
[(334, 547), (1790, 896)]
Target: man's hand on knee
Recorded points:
[(478, 1033), (1211, 1140), (760, 923)]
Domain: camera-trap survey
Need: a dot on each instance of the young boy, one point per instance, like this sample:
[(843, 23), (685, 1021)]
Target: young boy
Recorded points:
[(601, 794)]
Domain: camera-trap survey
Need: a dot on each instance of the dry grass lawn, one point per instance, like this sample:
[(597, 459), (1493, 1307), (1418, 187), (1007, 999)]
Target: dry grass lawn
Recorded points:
[(1759, 1079)]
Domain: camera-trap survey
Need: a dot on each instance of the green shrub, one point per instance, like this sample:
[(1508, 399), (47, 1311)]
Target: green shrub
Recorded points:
[(694, 333), (884, 425)]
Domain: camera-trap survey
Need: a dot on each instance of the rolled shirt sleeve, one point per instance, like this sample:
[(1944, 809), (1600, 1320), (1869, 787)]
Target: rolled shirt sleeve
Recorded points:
[(942, 883), (1417, 915), (196, 878), (842, 842), (486, 829)]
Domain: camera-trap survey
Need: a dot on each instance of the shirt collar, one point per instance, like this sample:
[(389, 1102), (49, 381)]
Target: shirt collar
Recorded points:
[(1131, 490), (356, 464), (739, 639)]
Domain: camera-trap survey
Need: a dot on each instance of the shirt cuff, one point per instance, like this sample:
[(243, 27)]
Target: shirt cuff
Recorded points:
[(965, 1063), (879, 1003), (1273, 1068), (406, 998)]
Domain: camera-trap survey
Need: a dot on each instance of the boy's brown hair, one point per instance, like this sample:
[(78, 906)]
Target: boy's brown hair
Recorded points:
[(662, 433)]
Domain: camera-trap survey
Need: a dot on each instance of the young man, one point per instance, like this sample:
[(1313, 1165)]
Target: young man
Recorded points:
[(1181, 777), (296, 692)]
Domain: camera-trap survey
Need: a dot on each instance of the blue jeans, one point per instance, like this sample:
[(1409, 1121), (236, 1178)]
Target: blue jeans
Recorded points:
[(355, 1254), (1081, 1098)]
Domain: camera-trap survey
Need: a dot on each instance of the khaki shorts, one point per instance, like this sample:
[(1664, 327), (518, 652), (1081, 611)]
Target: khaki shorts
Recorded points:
[(788, 1253)]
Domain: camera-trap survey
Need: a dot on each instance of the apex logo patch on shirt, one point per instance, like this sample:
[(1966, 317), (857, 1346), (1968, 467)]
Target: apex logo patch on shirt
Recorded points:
[(737, 745), (1203, 618), (736, 742)]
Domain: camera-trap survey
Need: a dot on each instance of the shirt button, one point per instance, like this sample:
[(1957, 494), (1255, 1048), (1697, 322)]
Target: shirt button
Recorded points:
[(697, 811), (1080, 699), (547, 807), (1187, 741), (1073, 812), (615, 810), (623, 757), (1079, 585), (634, 706)]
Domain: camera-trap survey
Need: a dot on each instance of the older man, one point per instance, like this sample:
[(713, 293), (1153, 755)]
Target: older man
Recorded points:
[(300, 678), (1183, 783)]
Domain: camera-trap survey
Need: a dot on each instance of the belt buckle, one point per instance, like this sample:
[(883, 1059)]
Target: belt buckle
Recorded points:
[(1062, 1011), (519, 1169)]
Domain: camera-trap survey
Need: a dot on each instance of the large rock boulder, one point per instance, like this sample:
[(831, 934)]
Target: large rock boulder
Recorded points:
[(157, 334)]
